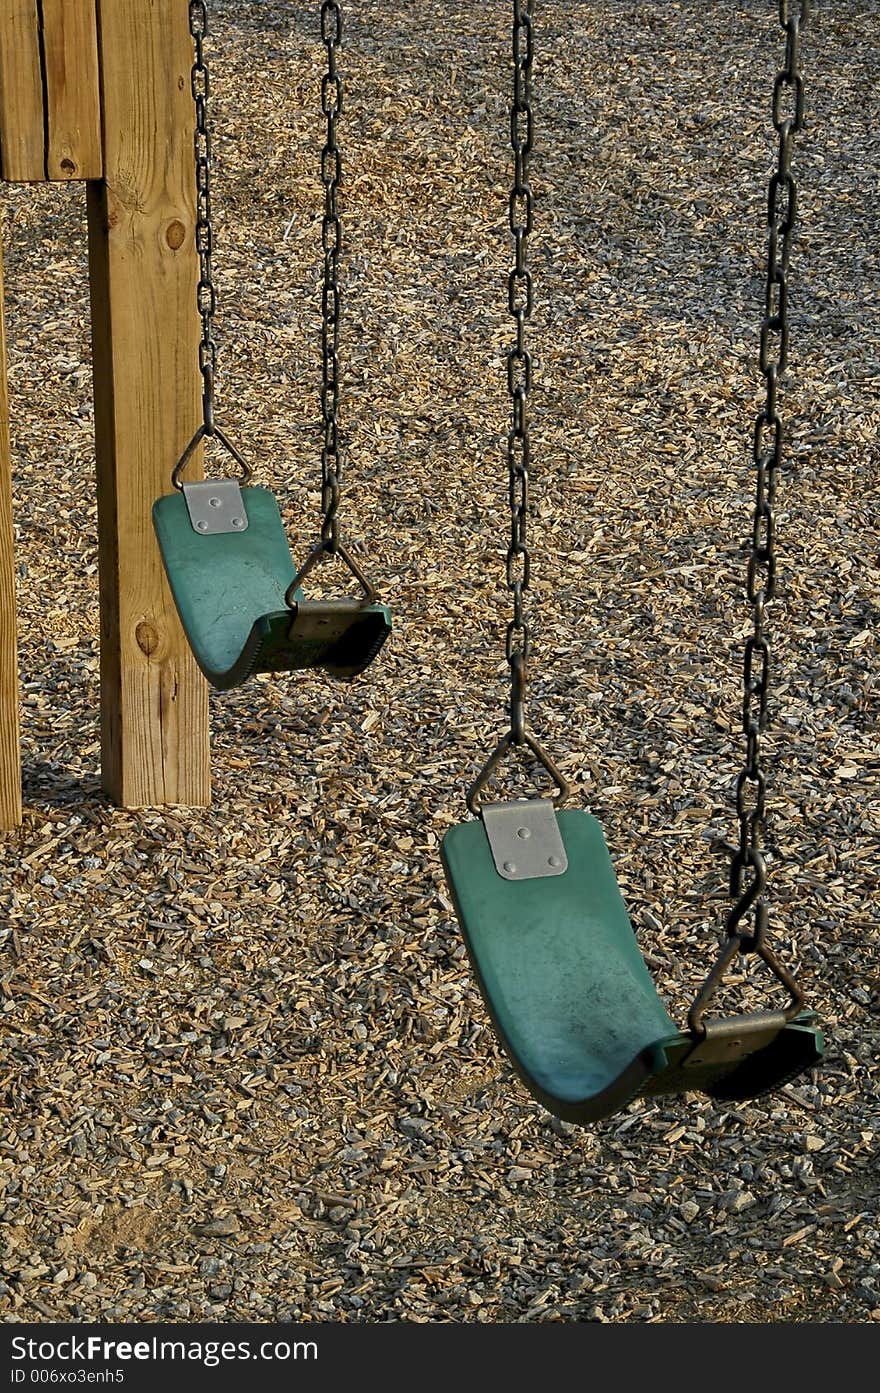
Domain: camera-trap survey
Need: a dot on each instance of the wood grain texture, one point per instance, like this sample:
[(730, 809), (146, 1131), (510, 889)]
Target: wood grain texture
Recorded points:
[(72, 90), (144, 269), (50, 101), (10, 757), (22, 111)]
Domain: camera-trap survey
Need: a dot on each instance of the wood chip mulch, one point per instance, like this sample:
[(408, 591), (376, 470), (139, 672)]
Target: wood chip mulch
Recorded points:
[(246, 1071)]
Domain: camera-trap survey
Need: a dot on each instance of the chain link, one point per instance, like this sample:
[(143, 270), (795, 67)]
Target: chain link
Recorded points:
[(518, 643), (748, 869), (206, 293), (331, 242), (519, 366)]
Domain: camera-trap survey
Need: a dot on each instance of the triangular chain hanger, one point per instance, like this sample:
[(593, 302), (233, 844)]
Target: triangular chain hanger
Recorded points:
[(507, 743), (212, 432)]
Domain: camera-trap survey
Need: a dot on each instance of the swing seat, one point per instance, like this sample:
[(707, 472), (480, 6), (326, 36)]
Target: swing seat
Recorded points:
[(230, 588), (570, 996)]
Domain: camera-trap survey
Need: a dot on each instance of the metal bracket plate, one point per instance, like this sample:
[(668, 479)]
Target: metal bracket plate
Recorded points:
[(323, 620), (525, 839), (735, 1038), (215, 506)]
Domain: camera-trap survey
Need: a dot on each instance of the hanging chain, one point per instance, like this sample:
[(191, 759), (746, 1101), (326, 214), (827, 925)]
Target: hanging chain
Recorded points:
[(206, 295), (748, 869), (519, 366), (331, 241), (518, 644), (331, 300)]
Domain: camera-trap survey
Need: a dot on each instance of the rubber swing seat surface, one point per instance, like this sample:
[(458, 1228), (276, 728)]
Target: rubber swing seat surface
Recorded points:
[(568, 991), (229, 590)]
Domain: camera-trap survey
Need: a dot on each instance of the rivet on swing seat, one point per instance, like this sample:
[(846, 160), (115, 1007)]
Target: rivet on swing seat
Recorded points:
[(230, 586), (571, 999)]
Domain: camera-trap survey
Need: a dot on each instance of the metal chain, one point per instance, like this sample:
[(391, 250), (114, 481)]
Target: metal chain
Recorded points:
[(748, 869), (518, 643), (331, 241), (206, 294), (519, 366), (331, 299)]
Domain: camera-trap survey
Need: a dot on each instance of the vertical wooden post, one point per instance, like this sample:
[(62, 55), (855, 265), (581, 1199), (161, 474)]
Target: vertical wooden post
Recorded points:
[(154, 703), (50, 128), (10, 759)]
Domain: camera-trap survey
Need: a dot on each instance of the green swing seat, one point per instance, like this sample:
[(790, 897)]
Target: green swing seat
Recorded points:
[(570, 996), (230, 589)]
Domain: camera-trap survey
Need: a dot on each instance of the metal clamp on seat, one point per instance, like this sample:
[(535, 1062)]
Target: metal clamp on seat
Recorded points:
[(734, 1038), (324, 621), (215, 506), (525, 839)]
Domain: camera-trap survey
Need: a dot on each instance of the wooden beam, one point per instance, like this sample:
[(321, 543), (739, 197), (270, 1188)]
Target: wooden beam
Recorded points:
[(72, 90), (10, 757), (50, 101), (145, 328), (22, 113)]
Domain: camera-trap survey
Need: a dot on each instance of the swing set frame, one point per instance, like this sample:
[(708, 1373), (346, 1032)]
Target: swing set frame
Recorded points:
[(97, 92)]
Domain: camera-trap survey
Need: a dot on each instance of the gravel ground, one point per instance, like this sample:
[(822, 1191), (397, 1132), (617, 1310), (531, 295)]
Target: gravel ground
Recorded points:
[(246, 1071)]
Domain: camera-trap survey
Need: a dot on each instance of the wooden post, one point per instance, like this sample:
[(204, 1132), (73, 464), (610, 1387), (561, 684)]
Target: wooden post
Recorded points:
[(50, 115), (50, 128), (73, 112), (10, 758), (22, 124), (60, 72), (154, 702)]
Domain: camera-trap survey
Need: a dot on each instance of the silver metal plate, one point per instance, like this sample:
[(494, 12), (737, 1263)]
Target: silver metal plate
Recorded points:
[(324, 620), (734, 1038), (525, 839), (215, 505)]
